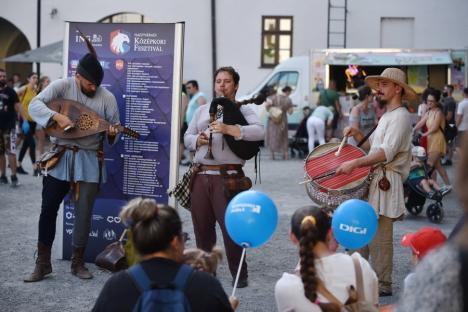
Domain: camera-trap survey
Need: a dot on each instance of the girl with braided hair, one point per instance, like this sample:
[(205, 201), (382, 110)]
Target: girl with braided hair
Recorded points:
[(320, 265)]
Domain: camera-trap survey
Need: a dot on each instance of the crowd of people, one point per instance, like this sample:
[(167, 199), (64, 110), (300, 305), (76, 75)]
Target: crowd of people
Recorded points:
[(17, 127), (324, 279)]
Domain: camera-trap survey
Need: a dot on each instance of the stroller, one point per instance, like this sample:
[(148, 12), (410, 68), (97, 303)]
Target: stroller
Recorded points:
[(415, 196)]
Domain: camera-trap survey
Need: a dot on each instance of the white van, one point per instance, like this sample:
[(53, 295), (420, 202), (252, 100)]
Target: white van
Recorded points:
[(307, 75)]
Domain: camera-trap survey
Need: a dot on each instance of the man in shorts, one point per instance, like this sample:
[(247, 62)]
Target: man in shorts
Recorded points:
[(8, 107)]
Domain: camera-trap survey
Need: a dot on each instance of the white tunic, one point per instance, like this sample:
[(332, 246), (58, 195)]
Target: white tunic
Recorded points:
[(393, 135)]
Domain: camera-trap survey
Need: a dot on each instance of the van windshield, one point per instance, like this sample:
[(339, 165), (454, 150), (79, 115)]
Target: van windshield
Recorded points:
[(283, 79)]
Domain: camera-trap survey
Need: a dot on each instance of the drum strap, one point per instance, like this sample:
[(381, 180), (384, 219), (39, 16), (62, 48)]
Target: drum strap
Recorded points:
[(364, 139)]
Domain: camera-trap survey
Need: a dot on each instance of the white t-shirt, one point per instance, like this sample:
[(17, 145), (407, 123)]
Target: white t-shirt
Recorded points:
[(337, 272), (463, 110), (422, 109)]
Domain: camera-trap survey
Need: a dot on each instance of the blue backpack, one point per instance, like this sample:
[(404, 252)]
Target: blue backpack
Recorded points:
[(163, 298)]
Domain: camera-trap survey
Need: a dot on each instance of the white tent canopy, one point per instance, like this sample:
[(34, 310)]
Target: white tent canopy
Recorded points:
[(51, 53)]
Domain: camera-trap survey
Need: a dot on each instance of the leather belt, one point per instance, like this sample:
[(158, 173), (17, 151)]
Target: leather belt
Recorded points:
[(226, 167)]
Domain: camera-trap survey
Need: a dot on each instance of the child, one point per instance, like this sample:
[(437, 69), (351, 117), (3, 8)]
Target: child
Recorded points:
[(203, 261), (419, 176), (207, 262), (421, 242), (321, 265)]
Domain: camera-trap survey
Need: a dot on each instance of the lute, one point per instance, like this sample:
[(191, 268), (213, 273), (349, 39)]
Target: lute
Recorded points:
[(86, 121)]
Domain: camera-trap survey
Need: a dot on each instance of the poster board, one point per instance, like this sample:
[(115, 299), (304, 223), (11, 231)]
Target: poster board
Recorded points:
[(143, 69)]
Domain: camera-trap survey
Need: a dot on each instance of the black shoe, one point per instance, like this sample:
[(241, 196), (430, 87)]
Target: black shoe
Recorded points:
[(241, 283), (385, 293), (3, 180), (20, 170), (14, 181), (37, 172)]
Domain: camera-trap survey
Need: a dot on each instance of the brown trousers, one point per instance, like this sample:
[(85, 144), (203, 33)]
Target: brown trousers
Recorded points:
[(208, 204), (380, 250)]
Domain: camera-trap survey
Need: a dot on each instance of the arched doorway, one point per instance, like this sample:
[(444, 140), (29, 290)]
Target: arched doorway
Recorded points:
[(126, 17), (13, 42)]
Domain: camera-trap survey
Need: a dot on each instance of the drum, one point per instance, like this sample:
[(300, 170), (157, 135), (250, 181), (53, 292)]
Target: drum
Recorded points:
[(325, 187)]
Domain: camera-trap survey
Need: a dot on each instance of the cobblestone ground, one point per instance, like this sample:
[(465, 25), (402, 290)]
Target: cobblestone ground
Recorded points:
[(19, 212)]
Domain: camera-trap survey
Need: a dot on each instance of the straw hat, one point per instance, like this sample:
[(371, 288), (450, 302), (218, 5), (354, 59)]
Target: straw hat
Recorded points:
[(394, 75)]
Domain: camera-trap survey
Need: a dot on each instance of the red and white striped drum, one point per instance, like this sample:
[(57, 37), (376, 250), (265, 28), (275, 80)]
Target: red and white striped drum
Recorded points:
[(323, 185)]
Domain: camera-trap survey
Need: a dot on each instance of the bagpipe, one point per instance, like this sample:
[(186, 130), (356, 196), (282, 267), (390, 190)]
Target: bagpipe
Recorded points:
[(233, 116)]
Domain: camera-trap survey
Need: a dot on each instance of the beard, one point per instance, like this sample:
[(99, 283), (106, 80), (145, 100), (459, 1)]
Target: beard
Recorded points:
[(2, 83), (89, 94), (381, 102)]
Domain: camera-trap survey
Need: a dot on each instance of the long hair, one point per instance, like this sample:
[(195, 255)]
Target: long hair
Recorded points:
[(153, 226), (311, 225)]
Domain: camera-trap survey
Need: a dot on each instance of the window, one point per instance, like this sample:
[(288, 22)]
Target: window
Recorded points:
[(281, 80), (126, 18), (276, 39)]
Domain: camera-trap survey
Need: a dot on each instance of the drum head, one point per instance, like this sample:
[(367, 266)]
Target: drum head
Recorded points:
[(321, 164)]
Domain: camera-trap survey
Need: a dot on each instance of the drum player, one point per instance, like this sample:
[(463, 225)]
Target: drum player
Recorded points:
[(390, 155)]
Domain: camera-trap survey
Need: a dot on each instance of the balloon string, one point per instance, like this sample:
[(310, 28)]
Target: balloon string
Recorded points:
[(238, 272)]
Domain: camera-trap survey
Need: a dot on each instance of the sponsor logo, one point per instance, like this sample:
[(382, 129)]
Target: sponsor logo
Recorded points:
[(74, 64), (69, 231), (97, 217), (119, 42), (109, 234), (94, 233), (69, 215), (93, 38), (242, 207), (353, 229), (105, 64), (119, 64), (112, 219), (68, 223)]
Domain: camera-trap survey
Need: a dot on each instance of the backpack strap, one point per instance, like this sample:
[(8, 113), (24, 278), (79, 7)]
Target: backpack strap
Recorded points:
[(327, 294), (182, 276), (140, 277), (359, 279), (143, 282)]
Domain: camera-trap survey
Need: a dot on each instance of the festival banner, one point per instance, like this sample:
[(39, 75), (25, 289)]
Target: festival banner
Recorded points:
[(142, 67)]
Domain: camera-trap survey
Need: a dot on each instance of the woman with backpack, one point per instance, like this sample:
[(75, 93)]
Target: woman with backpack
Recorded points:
[(157, 237), (322, 280)]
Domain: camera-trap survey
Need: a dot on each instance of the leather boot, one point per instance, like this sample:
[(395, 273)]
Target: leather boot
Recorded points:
[(77, 264), (43, 265)]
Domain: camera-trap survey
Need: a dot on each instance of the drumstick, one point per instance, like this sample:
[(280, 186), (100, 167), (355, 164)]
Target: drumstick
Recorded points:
[(323, 175), (343, 142)]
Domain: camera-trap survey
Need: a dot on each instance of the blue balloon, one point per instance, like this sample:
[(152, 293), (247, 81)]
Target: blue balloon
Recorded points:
[(354, 223), (251, 218)]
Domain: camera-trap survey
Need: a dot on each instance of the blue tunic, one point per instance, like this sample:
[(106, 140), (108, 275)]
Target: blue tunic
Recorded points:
[(86, 163)]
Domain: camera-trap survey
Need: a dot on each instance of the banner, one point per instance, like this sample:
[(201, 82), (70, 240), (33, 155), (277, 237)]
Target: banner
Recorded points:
[(142, 68)]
